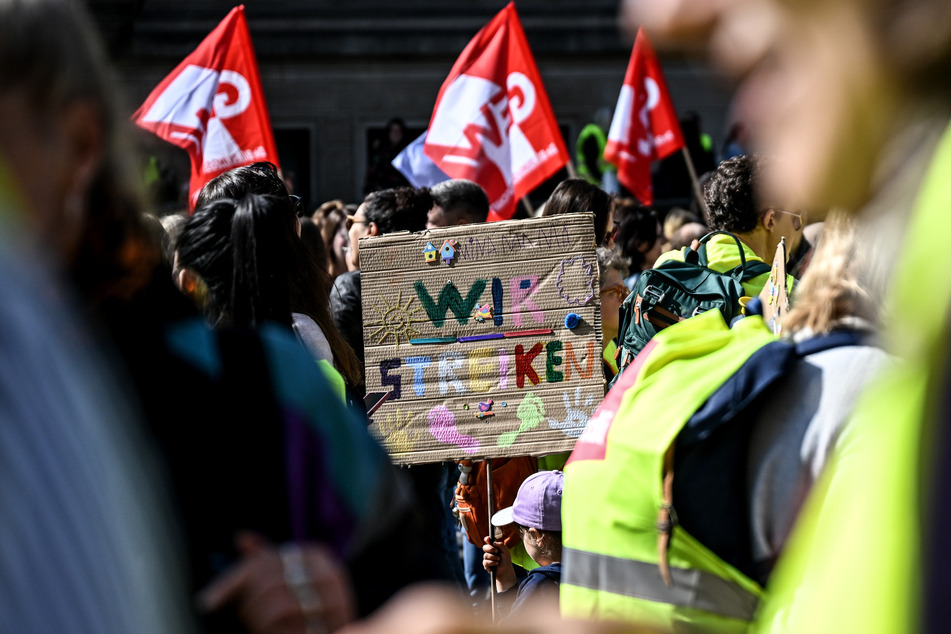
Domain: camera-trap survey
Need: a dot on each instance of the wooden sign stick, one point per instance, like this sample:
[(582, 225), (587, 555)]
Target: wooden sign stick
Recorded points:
[(491, 509)]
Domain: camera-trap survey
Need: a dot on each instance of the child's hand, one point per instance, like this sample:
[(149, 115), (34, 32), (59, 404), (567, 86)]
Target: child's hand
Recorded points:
[(494, 553), (496, 556)]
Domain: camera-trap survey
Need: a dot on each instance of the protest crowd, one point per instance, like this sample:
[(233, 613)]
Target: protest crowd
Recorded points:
[(254, 415)]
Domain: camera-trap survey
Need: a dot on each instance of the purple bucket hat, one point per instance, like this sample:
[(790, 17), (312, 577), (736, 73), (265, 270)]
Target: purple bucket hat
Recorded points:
[(537, 504)]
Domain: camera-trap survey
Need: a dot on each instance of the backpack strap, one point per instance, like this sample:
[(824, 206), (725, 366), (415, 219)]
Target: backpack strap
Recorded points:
[(742, 273), (751, 270), (666, 518)]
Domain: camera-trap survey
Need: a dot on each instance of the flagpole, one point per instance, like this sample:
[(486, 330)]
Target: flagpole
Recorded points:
[(694, 180), (491, 509), (571, 170), (528, 207)]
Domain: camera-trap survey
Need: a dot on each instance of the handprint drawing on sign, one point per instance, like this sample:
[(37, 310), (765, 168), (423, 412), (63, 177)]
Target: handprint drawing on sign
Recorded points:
[(531, 413), (397, 434), (576, 416)]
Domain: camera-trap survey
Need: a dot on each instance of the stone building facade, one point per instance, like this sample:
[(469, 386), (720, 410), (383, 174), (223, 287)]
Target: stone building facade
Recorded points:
[(334, 71)]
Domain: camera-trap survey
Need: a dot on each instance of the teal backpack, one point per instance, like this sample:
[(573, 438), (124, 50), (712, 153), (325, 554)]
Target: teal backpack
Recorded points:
[(675, 291)]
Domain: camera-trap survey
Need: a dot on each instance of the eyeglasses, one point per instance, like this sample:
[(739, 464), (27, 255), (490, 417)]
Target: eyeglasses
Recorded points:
[(620, 291), (613, 235), (297, 204), (353, 220), (797, 218)]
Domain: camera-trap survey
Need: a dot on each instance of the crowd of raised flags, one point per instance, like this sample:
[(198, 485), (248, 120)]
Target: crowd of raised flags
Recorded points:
[(492, 122)]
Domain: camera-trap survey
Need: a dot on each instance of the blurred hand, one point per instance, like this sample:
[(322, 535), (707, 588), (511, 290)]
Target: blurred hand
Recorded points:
[(258, 589)]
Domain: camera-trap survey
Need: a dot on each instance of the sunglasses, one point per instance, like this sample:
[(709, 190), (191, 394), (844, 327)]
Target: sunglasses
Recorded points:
[(619, 290), (353, 220), (297, 204), (797, 218)]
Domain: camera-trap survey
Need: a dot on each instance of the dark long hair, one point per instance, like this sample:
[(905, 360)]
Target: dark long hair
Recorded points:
[(257, 269), (637, 232), (576, 195)]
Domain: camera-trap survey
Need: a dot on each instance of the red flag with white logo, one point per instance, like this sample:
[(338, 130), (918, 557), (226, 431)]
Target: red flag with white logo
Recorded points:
[(212, 105), (645, 126), (492, 122)]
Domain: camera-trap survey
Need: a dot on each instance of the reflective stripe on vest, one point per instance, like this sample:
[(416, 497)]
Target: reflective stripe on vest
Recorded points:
[(638, 579)]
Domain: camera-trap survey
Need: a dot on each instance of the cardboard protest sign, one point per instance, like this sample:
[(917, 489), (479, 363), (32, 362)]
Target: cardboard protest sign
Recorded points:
[(775, 294), (487, 335)]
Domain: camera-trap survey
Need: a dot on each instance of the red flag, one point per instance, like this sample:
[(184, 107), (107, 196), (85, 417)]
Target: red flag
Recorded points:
[(212, 105), (645, 127), (492, 122)]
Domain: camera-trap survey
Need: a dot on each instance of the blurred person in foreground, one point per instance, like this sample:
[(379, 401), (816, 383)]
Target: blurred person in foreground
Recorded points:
[(868, 553), (71, 560), (85, 541)]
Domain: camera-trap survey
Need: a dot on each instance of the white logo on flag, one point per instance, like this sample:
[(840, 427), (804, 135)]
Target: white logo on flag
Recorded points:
[(477, 114), (621, 124), (644, 146), (195, 105)]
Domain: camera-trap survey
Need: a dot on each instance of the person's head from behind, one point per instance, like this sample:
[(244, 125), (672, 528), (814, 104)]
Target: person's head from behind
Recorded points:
[(537, 512), (685, 235), (613, 268), (639, 236), (676, 218), (734, 200), (246, 253), (61, 141), (246, 260), (260, 178), (576, 195), (387, 211), (457, 201)]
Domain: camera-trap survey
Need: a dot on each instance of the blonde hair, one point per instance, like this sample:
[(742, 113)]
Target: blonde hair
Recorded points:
[(835, 285)]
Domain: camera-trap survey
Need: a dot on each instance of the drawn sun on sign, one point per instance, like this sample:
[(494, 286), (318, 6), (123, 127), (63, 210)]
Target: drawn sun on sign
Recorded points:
[(395, 320)]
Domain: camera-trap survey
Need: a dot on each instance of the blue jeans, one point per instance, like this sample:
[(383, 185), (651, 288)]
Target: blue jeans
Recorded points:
[(477, 579)]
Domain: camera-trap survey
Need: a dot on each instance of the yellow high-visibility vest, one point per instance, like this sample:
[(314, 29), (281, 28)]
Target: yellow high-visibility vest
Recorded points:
[(613, 491)]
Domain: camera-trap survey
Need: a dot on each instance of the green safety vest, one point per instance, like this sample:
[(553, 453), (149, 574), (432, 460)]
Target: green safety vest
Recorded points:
[(608, 354), (854, 561), (592, 129), (613, 490)]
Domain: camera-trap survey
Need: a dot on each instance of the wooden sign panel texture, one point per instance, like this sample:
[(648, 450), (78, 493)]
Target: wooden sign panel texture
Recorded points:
[(473, 342)]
